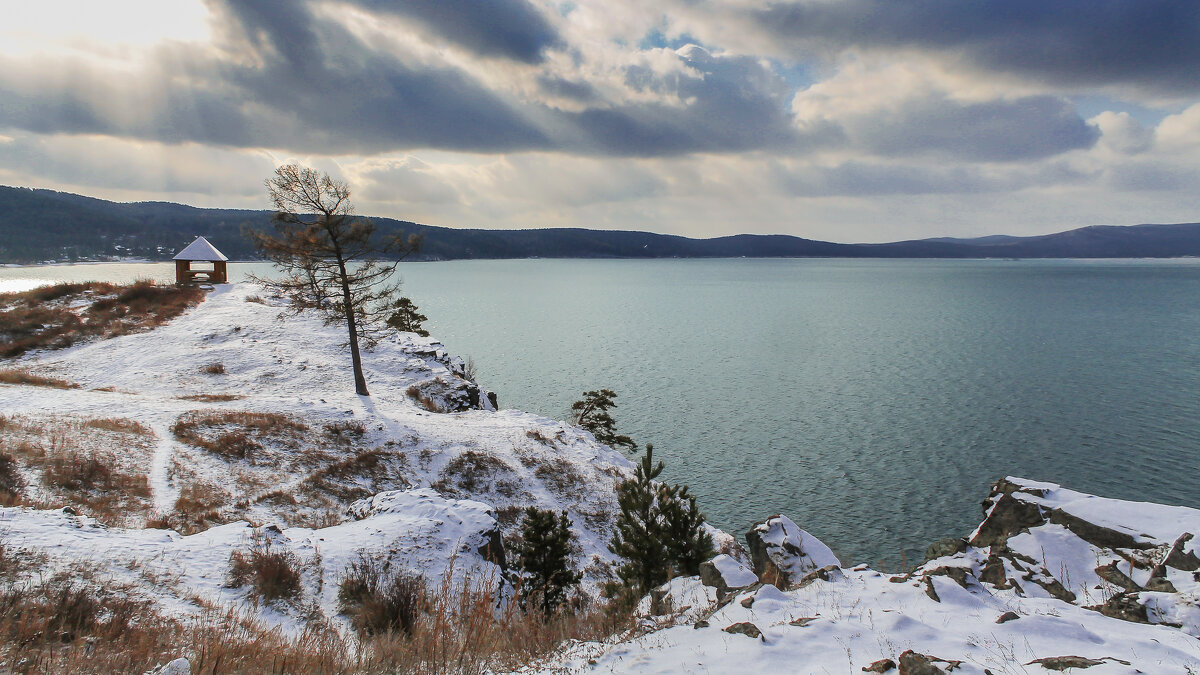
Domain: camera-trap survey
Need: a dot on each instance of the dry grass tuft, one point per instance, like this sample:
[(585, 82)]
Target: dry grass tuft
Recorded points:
[(475, 472), (55, 317), (424, 400), (271, 574), (257, 299), (378, 600), (14, 376), (119, 424), (344, 431), (213, 369)]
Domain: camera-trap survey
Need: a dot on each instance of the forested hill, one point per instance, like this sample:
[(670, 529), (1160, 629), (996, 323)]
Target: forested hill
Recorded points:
[(38, 225)]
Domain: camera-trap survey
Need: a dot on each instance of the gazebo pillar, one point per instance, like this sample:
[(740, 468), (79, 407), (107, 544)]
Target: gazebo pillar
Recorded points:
[(181, 271)]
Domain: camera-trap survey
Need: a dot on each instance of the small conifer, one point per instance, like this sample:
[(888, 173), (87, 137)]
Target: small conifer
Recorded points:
[(659, 531), (405, 317), (544, 557), (591, 413)]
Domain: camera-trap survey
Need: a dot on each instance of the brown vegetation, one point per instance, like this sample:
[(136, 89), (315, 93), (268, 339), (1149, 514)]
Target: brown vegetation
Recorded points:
[(236, 434), (55, 317), (424, 400), (11, 482), (213, 369), (211, 398), (271, 574), (119, 424), (14, 376)]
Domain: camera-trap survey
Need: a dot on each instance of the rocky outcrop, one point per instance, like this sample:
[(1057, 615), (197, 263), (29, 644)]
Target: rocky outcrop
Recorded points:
[(1038, 539), (782, 553), (915, 663)]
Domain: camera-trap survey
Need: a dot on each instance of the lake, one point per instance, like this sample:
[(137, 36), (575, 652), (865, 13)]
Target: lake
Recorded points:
[(872, 401)]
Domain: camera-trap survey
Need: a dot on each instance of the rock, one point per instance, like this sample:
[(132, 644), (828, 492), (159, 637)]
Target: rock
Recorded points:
[(960, 575), (747, 601), (726, 573), (1007, 517), (491, 397), (915, 663), (1096, 535), (745, 628), (930, 590), (492, 549), (1065, 662), (880, 666), (179, 666), (1008, 616), (945, 547), (782, 553), (993, 572), (1188, 562), (802, 621), (700, 624), (1053, 586), (1113, 575), (826, 573), (1124, 606), (1158, 580)]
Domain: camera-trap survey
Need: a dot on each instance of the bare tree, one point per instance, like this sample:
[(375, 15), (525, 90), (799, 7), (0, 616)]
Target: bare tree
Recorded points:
[(329, 258)]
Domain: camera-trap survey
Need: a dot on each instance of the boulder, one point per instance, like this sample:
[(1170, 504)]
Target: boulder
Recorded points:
[(782, 553), (745, 628), (880, 666), (726, 573)]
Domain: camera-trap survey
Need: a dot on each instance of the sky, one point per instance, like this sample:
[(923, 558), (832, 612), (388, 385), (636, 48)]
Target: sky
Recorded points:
[(841, 120)]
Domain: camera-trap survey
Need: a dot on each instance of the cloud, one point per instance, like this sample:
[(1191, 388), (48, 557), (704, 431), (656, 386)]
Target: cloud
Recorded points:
[(512, 29), (1149, 44)]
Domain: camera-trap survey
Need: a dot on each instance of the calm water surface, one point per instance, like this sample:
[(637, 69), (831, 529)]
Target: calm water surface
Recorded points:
[(871, 401)]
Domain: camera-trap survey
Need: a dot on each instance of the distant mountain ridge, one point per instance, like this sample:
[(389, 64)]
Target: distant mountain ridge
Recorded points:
[(38, 225)]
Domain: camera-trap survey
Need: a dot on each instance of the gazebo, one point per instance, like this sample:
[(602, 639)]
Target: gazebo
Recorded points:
[(200, 251)]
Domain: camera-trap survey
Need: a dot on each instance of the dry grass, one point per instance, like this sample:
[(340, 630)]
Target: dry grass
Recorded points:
[(119, 424), (72, 623), (475, 472), (213, 369), (95, 482), (55, 317), (211, 398), (11, 482), (424, 400), (271, 574), (237, 434), (14, 376), (257, 299)]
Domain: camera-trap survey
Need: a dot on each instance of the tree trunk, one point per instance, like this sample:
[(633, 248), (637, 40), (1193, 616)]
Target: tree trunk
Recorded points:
[(360, 382)]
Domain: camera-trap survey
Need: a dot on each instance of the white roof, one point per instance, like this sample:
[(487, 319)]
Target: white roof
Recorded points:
[(200, 250)]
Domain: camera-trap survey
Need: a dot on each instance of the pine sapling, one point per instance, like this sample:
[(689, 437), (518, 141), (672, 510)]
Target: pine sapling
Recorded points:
[(544, 557)]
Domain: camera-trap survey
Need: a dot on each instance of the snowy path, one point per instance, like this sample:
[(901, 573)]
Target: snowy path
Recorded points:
[(163, 491)]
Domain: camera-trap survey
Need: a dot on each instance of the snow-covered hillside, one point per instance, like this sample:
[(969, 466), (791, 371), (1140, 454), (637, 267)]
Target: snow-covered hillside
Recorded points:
[(235, 426), (249, 416)]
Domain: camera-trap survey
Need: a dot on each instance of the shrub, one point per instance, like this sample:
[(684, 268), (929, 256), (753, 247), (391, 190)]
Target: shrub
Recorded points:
[(271, 574), (213, 369), (378, 600), (544, 558)]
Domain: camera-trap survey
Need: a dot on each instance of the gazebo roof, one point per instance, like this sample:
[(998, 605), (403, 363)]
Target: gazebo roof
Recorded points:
[(200, 250)]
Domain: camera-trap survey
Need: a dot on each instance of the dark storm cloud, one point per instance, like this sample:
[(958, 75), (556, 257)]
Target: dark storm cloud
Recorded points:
[(999, 131), (512, 29), (1146, 43)]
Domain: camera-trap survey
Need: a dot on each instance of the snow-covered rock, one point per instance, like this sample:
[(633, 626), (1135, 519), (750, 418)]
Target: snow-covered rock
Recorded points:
[(726, 573), (783, 554)]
